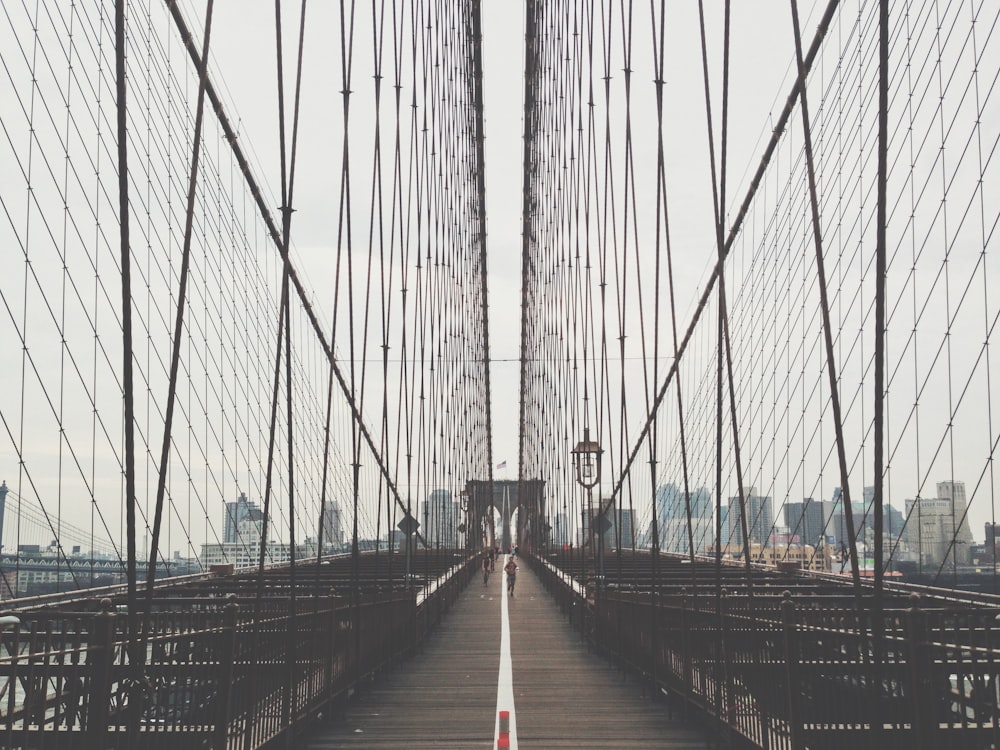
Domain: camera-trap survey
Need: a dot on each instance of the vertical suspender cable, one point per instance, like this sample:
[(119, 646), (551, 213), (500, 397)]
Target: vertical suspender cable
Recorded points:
[(275, 235), (824, 300), (723, 171), (480, 229), (722, 338), (287, 187), (527, 223), (129, 424), (734, 229), (179, 318), (880, 272)]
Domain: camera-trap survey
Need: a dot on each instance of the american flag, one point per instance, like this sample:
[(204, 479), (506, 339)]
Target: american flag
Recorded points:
[(502, 465)]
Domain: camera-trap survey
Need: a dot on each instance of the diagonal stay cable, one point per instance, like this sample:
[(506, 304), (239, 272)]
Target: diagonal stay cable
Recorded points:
[(734, 231), (161, 482), (825, 307), (275, 235)]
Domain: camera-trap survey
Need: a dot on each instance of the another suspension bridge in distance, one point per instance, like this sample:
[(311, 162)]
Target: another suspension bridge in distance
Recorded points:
[(262, 374)]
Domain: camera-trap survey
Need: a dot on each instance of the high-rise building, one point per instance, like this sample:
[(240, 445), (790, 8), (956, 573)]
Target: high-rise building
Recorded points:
[(440, 517), (610, 530), (833, 516), (938, 528), (992, 535), (805, 521), (759, 518), (724, 531), (868, 498), (242, 532), (333, 530), (862, 516), (892, 524), (961, 532), (672, 521), (622, 527), (671, 518), (586, 537), (560, 531), (237, 514)]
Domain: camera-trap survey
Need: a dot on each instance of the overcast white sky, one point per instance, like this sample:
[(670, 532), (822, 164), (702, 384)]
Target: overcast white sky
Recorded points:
[(243, 44), (762, 60), (243, 51)]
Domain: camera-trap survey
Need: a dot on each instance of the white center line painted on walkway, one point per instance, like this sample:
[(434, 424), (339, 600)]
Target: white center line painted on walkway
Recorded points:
[(505, 680)]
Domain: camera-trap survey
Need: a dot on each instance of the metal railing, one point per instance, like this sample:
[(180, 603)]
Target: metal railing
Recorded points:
[(788, 672), (219, 672)]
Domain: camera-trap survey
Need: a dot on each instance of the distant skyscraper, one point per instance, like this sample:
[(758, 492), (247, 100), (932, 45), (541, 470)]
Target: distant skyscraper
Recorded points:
[(560, 531), (611, 517), (938, 528), (669, 503), (868, 497), (961, 532), (236, 513), (724, 532), (832, 515), (672, 519), (333, 531), (862, 516), (992, 535), (805, 521), (759, 519), (892, 524), (623, 527), (440, 519)]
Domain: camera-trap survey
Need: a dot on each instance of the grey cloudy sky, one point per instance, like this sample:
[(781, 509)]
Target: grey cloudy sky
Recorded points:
[(761, 74)]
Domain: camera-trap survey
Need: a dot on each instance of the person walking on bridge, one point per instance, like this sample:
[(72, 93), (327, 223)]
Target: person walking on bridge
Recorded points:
[(486, 566), (511, 570)]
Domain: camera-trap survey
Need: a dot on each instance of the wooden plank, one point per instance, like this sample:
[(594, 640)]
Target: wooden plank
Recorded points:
[(567, 697), (445, 696)]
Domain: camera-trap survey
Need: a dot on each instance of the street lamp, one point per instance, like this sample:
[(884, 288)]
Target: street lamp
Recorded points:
[(587, 459), (463, 527)]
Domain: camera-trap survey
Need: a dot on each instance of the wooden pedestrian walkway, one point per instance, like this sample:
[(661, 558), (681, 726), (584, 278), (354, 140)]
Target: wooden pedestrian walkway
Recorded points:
[(564, 696)]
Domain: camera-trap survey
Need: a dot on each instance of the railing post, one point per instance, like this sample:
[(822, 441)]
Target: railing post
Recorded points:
[(919, 677), (791, 670), (686, 655), (332, 645), (227, 661), (724, 686), (100, 657)]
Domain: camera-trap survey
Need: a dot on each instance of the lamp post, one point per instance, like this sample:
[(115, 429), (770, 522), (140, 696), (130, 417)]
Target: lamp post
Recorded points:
[(427, 541), (587, 459), (463, 527)]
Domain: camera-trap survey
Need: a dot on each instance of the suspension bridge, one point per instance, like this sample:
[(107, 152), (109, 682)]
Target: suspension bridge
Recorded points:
[(308, 310)]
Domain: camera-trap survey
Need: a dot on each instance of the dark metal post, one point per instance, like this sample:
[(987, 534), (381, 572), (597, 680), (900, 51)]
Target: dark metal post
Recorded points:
[(791, 671), (331, 644), (655, 590), (227, 661), (100, 657), (723, 689), (135, 650), (685, 654), (921, 720), (408, 564), (600, 536), (287, 697)]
